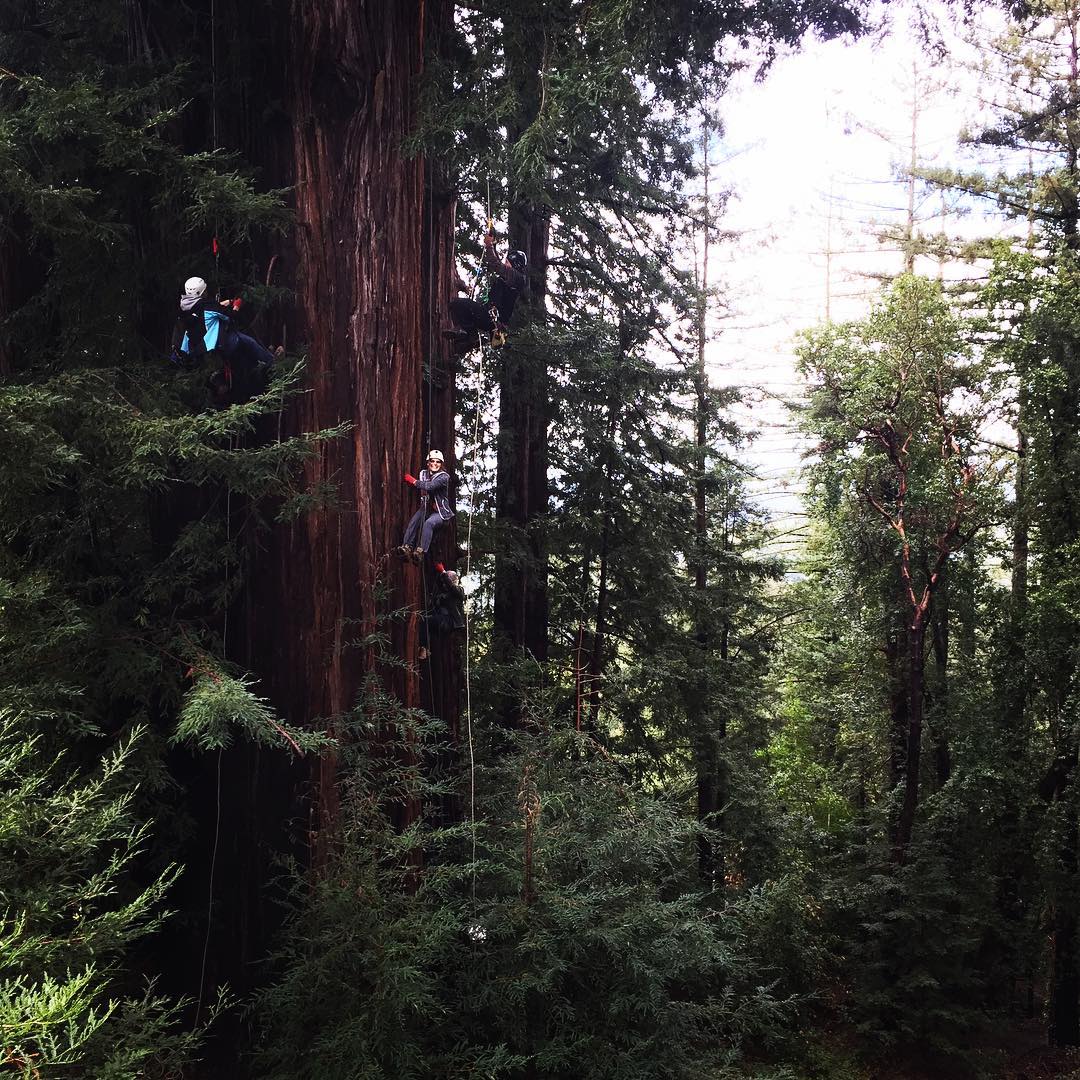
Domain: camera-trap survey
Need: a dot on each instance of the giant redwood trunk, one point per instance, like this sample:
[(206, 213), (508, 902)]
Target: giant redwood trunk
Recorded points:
[(359, 232)]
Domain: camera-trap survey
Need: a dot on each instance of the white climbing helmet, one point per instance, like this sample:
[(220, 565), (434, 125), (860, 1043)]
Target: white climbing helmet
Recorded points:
[(194, 287), (434, 455)]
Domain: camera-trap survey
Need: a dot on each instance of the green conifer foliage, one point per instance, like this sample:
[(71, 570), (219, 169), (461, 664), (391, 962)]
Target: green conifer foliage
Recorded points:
[(574, 944), (68, 914), (127, 515)]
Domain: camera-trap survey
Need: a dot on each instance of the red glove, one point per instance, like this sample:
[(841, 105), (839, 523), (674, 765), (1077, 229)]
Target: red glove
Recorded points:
[(236, 304), (410, 479), (439, 568)]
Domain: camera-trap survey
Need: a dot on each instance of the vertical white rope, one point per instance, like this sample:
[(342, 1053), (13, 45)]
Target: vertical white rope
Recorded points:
[(210, 893), (217, 815), (468, 566), (228, 530)]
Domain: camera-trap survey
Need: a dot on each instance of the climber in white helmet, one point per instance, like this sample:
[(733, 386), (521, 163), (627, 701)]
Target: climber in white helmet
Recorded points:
[(433, 483), (204, 327)]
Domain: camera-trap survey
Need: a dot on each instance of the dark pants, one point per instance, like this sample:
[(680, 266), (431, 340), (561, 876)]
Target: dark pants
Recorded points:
[(412, 530), (435, 625), (243, 353), (471, 317)]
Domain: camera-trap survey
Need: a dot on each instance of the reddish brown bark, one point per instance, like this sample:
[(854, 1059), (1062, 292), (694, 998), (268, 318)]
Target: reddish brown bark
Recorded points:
[(920, 601), (359, 291)]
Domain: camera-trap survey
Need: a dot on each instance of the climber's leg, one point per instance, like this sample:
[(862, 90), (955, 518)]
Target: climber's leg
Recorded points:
[(433, 522), (471, 317), (252, 352), (412, 530)]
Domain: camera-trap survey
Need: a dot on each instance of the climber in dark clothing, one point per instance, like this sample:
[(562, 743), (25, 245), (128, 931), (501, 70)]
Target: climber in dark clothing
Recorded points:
[(447, 611), (434, 486), (203, 328), (491, 313)]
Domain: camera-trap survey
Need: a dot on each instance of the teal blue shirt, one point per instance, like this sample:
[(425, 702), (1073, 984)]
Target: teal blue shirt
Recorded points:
[(213, 319)]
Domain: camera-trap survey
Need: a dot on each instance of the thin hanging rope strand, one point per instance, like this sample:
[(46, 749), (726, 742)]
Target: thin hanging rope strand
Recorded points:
[(210, 892), (432, 306), (228, 538), (213, 71), (429, 363), (214, 131), (217, 815), (468, 566)]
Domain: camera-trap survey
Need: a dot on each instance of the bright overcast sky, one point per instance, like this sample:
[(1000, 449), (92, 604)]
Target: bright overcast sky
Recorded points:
[(813, 156)]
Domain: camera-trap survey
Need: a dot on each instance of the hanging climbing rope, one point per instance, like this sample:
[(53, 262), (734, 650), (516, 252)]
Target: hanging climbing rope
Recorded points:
[(467, 606), (217, 783)]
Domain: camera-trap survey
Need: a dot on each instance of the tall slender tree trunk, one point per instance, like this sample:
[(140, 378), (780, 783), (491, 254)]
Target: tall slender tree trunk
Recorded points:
[(1064, 1028), (1017, 681), (596, 655), (521, 588), (913, 163), (1059, 529), (707, 726), (1070, 218), (916, 641), (896, 652), (22, 273), (598, 650), (521, 501), (939, 709)]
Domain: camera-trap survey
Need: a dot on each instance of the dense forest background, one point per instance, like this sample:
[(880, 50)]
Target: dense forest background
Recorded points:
[(670, 806)]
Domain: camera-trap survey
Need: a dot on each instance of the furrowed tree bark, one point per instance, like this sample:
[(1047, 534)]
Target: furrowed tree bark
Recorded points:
[(359, 289), (367, 262)]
